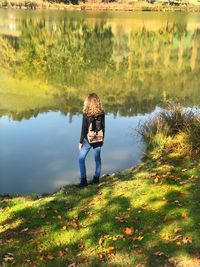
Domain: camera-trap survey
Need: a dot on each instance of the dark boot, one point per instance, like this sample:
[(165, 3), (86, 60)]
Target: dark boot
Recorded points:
[(83, 183), (95, 180)]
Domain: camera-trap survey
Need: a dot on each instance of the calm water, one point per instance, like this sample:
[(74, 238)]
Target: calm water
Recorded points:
[(50, 60)]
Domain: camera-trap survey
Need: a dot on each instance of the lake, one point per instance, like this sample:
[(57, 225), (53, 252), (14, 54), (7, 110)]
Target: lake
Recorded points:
[(50, 60)]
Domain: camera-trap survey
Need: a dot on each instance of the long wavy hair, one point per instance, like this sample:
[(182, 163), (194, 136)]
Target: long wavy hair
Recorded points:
[(92, 105)]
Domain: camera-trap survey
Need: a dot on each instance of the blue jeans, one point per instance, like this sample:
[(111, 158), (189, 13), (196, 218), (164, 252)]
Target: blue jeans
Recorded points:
[(82, 155)]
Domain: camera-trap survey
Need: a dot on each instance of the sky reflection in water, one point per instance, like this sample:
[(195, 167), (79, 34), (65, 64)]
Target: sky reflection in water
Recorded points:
[(40, 154)]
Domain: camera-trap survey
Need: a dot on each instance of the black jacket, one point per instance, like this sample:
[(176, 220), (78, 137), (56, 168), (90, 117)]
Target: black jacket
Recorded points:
[(85, 126)]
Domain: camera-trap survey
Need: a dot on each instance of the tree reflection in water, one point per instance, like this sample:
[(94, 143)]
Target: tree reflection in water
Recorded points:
[(133, 71)]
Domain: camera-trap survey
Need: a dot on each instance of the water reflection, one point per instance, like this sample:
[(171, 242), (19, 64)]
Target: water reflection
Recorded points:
[(132, 69), (50, 60), (41, 154)]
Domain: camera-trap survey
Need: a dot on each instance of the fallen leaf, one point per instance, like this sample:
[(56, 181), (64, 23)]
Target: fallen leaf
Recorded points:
[(8, 257), (178, 230), (177, 237), (49, 257), (109, 249), (24, 230), (159, 253), (177, 202), (184, 170), (74, 225), (75, 217), (101, 256), (28, 261), (128, 230), (184, 214), (122, 218), (187, 240), (60, 254), (139, 250)]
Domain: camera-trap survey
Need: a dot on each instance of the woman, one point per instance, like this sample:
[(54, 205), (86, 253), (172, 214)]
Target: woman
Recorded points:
[(93, 123)]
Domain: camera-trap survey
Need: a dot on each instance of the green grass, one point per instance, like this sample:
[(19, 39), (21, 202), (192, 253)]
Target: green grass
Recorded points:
[(144, 216)]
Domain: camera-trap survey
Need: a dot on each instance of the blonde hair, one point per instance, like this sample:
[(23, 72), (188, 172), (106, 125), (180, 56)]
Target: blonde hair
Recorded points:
[(92, 105)]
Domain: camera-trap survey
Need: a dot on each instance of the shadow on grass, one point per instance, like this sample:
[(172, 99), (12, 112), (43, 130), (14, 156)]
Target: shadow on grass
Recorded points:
[(101, 226)]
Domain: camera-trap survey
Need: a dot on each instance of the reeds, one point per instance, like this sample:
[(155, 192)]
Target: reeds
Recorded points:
[(172, 130)]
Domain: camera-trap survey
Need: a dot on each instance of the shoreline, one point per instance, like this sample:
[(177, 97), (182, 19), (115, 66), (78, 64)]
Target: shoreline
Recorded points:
[(137, 6), (67, 186), (103, 178)]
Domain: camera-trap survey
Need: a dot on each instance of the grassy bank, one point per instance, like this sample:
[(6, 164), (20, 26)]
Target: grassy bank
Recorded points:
[(144, 216), (189, 6)]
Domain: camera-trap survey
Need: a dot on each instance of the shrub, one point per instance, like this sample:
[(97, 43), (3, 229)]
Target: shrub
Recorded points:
[(172, 130)]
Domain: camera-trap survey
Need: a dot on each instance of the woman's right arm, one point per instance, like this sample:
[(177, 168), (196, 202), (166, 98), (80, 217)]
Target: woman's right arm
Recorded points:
[(83, 129)]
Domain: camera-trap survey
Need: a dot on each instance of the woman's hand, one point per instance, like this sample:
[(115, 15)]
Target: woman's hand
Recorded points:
[(80, 146)]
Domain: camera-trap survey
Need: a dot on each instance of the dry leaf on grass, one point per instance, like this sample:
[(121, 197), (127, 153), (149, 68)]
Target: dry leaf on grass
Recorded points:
[(109, 249), (187, 240), (178, 230), (128, 230), (139, 250), (8, 257), (184, 214), (49, 257), (177, 237), (122, 218), (60, 254), (24, 230), (74, 225), (159, 253)]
